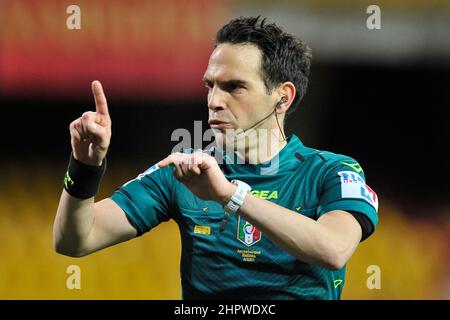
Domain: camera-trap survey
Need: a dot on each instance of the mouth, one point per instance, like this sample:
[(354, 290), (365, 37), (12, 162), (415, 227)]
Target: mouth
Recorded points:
[(218, 124)]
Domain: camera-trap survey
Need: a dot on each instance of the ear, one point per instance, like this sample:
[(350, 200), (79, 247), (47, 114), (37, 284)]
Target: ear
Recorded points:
[(288, 91)]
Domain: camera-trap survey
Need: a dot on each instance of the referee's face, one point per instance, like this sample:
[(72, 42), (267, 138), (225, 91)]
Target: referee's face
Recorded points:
[(237, 96)]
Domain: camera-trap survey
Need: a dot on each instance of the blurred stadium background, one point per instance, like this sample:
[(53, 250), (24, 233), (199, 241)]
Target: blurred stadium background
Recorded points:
[(381, 96)]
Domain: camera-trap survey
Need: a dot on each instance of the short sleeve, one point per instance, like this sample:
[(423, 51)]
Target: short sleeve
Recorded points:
[(344, 188), (146, 199)]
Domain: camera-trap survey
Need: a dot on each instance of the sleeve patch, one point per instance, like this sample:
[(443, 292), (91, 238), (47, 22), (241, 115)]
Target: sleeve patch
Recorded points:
[(354, 186)]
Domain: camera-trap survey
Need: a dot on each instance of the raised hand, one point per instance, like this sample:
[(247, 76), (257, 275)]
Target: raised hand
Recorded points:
[(91, 133)]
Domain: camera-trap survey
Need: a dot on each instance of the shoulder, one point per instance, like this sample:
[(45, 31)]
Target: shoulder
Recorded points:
[(328, 170), (323, 162), (155, 174), (333, 161)]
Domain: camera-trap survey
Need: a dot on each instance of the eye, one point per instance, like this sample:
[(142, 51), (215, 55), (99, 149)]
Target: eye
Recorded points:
[(233, 87), (208, 84)]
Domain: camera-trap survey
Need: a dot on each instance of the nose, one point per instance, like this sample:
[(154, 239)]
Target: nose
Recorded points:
[(216, 99)]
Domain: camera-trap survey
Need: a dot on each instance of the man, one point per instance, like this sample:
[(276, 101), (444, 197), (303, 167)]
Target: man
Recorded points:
[(246, 233)]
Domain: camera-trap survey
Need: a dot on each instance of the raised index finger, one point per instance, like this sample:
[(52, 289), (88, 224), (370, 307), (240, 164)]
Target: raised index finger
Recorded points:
[(101, 105)]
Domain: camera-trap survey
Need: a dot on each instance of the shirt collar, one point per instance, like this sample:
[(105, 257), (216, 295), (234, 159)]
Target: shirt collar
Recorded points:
[(279, 163)]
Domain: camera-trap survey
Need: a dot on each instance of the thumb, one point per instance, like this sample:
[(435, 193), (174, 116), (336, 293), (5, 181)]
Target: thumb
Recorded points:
[(99, 134)]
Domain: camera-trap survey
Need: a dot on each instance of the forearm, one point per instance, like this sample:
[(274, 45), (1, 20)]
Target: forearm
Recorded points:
[(302, 237), (72, 225)]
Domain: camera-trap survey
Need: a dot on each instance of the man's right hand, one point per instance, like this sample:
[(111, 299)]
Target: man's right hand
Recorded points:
[(91, 133)]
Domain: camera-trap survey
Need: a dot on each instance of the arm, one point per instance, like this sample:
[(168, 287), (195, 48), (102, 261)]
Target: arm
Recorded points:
[(82, 226), (329, 242)]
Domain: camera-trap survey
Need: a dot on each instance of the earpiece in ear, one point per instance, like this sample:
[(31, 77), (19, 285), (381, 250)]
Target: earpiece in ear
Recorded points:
[(283, 100)]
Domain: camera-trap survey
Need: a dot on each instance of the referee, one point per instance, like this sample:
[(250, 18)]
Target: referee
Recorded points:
[(247, 232)]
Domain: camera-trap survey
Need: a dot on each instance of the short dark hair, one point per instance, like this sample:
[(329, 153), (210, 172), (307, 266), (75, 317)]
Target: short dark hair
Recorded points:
[(284, 56)]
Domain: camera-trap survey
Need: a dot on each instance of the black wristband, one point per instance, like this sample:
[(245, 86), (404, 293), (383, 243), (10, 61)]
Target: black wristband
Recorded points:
[(82, 180)]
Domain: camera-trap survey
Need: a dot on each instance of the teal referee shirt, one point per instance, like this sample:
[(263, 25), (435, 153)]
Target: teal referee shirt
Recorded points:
[(230, 258)]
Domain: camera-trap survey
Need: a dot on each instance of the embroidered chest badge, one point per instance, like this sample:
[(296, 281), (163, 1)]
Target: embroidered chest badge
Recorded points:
[(247, 233)]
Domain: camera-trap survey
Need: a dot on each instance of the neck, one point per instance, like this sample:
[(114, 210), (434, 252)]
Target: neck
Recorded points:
[(259, 145)]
